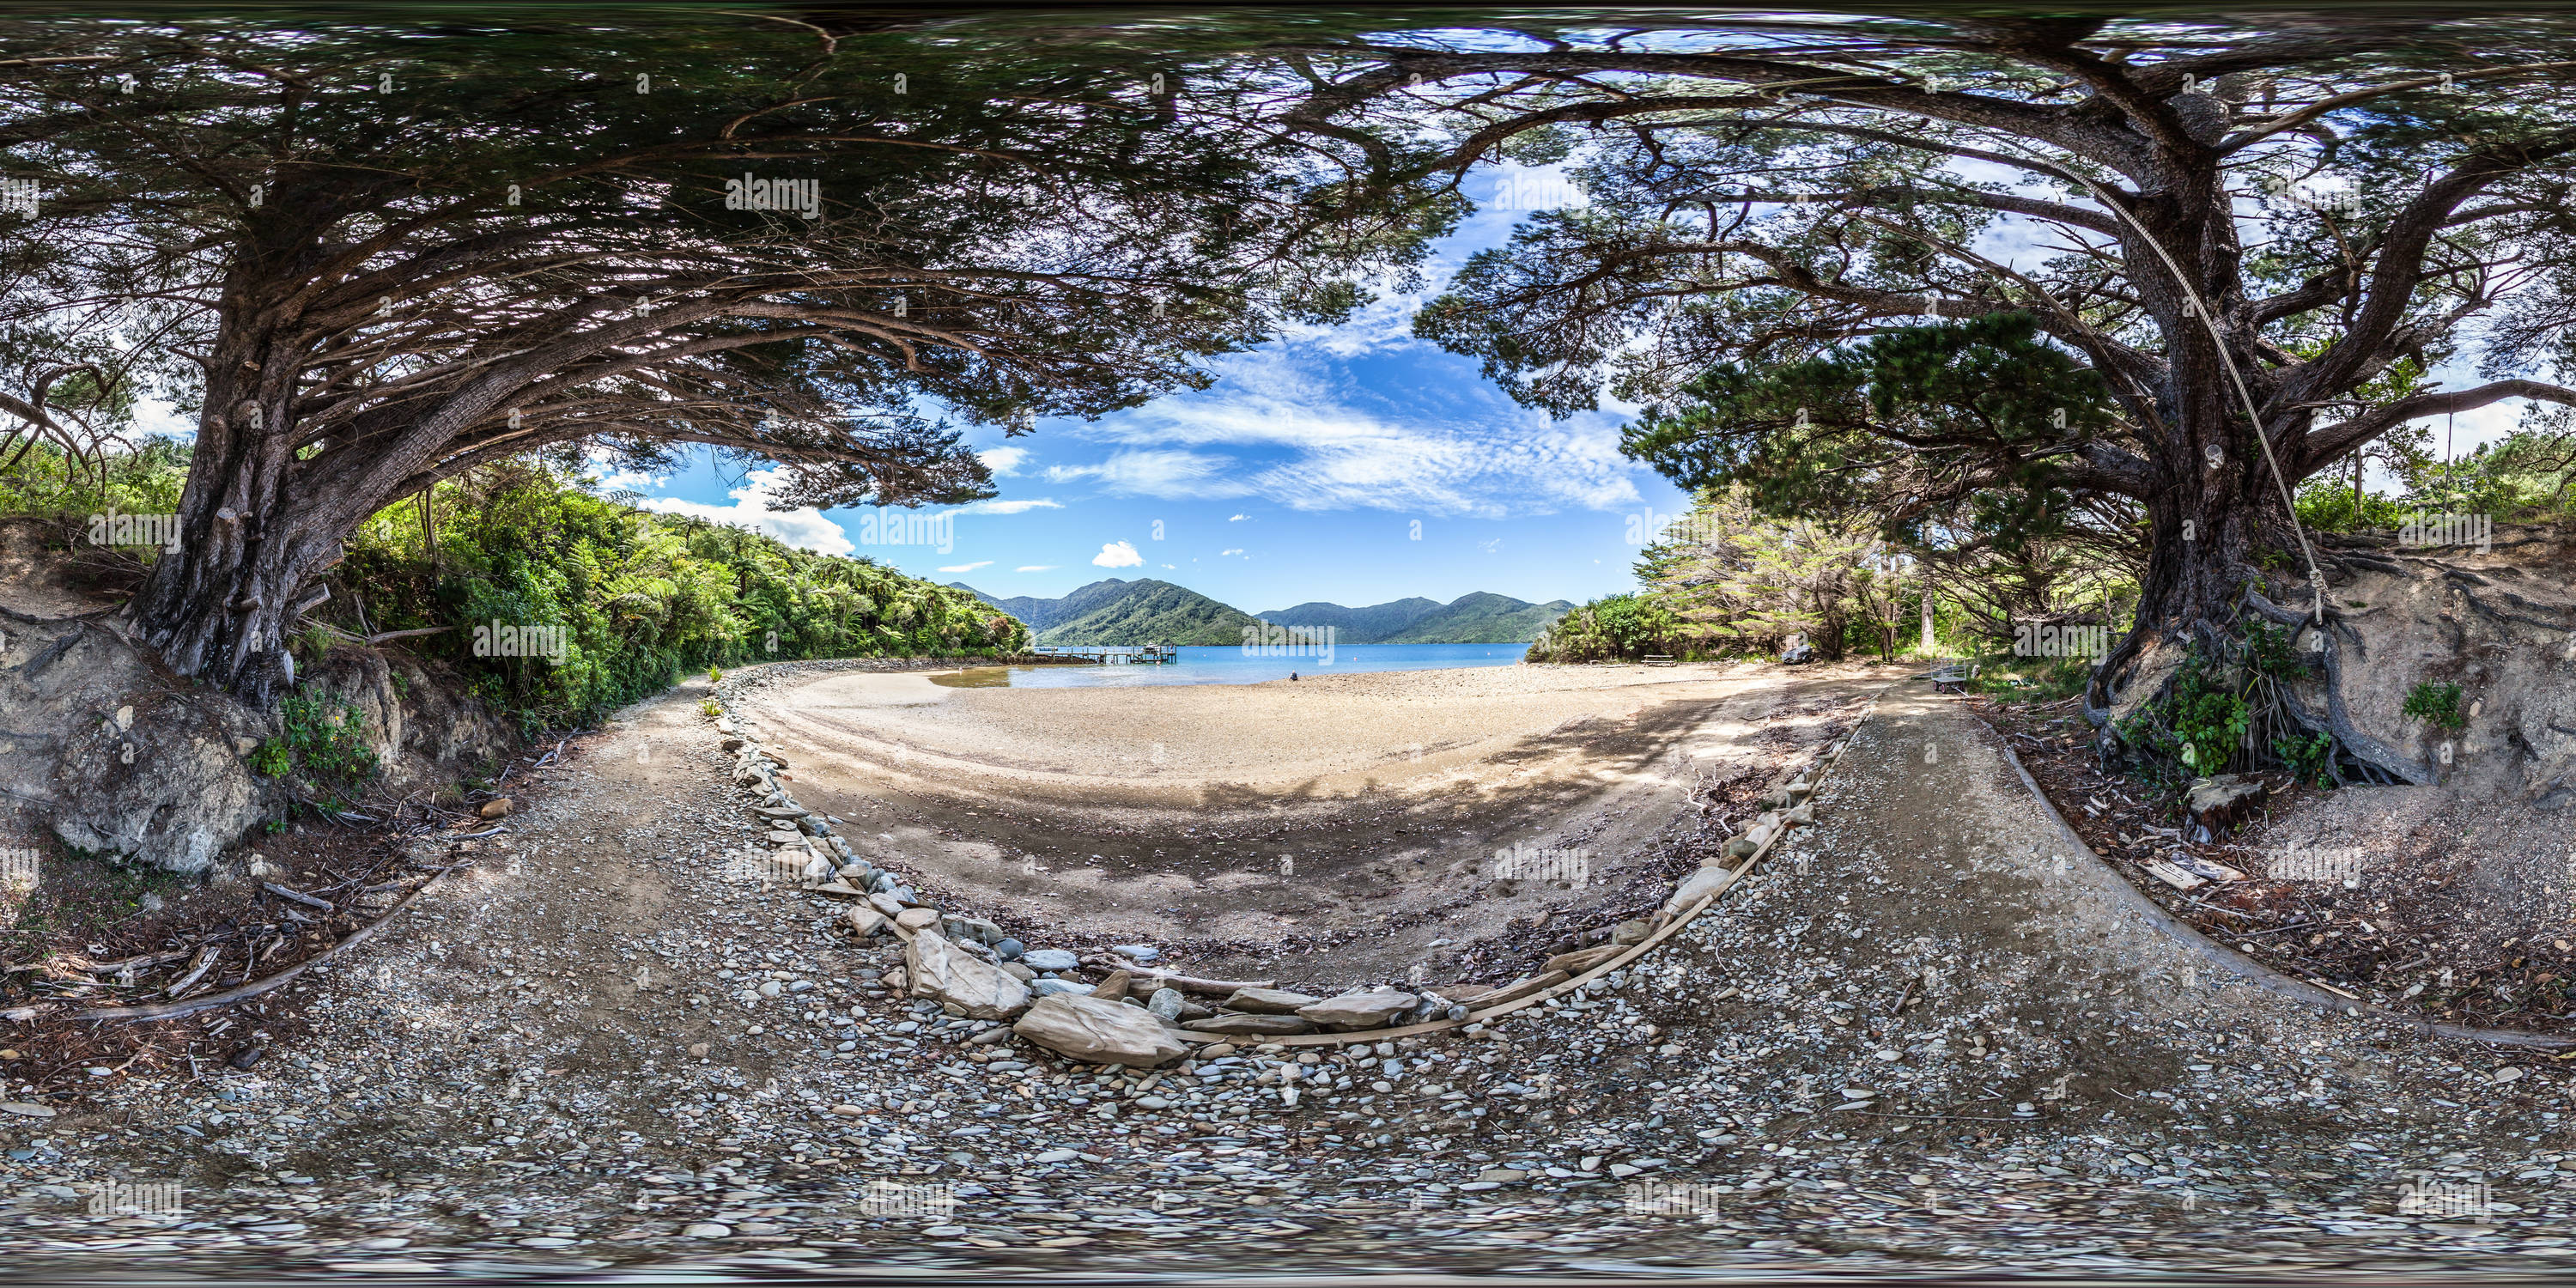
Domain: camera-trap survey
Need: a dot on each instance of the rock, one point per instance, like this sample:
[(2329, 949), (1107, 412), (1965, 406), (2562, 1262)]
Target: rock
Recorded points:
[(866, 921), (25, 1110), (918, 920), (780, 838), (1052, 987), (1046, 959), (1797, 655), (1250, 1025), (1115, 988), (731, 742), (1139, 952), (1096, 1031), (2221, 802), (246, 1057), (495, 808), (886, 903), (705, 1230), (1360, 1008), (978, 929), (1630, 933), (779, 813), (1009, 950), (855, 875), (943, 973), (1167, 1003), (1581, 959), (1019, 972), (1267, 1001), (1699, 885), (1502, 1176)]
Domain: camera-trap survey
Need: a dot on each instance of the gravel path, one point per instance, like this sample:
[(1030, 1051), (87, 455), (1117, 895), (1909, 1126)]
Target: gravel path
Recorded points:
[(1914, 1040)]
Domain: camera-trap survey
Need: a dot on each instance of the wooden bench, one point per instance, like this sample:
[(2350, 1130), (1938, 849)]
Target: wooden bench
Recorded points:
[(1950, 679)]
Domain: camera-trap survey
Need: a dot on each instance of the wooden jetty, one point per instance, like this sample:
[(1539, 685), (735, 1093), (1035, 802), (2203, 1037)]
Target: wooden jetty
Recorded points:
[(1109, 654)]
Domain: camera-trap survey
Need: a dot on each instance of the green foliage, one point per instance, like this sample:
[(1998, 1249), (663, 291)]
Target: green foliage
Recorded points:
[(641, 598), (1618, 628), (2437, 704), (2225, 712), (324, 747), (2306, 756), (50, 483), (710, 708)]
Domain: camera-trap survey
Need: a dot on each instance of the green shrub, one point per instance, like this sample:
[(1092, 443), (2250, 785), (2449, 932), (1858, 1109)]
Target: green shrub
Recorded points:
[(2438, 704), (323, 747)]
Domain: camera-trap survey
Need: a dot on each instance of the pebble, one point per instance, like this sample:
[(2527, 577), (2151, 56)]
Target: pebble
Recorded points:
[(1046, 959)]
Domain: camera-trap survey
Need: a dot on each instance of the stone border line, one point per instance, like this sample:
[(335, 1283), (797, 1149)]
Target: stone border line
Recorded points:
[(1084, 1022), (2254, 972)]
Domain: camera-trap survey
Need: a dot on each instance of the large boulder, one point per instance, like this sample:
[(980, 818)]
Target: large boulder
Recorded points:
[(945, 973), (1366, 1008), (1095, 1030), (1267, 1001)]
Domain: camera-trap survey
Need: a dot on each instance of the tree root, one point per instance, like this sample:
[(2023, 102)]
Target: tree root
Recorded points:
[(2336, 721)]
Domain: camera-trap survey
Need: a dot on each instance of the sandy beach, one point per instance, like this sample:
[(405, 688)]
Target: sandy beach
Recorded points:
[(1316, 830)]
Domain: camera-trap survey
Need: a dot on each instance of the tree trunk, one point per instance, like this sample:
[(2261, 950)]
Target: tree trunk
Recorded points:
[(221, 607)]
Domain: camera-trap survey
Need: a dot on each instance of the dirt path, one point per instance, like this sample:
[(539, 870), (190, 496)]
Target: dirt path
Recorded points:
[(549, 1068)]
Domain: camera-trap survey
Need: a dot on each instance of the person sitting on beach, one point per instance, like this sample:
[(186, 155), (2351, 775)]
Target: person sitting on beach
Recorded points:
[(1292, 675)]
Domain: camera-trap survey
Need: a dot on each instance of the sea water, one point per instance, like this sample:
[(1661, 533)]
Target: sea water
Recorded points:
[(1236, 664)]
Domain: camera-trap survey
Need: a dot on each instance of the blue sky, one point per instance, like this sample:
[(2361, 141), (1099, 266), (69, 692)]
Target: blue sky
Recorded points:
[(1352, 464)]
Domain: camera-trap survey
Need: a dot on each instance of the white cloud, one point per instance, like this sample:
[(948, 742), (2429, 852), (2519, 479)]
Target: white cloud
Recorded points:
[(1013, 507), (1119, 554), (1004, 461), (1174, 567), (1223, 553), (1238, 518), (804, 528), (1155, 473), (1037, 567), (970, 567), (1320, 443)]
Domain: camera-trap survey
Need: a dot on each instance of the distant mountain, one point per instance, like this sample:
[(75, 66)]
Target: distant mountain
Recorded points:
[(1369, 625), (1480, 618), (1144, 611)]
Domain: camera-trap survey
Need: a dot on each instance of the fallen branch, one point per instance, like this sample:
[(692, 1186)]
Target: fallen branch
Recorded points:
[(244, 992), (297, 896)]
